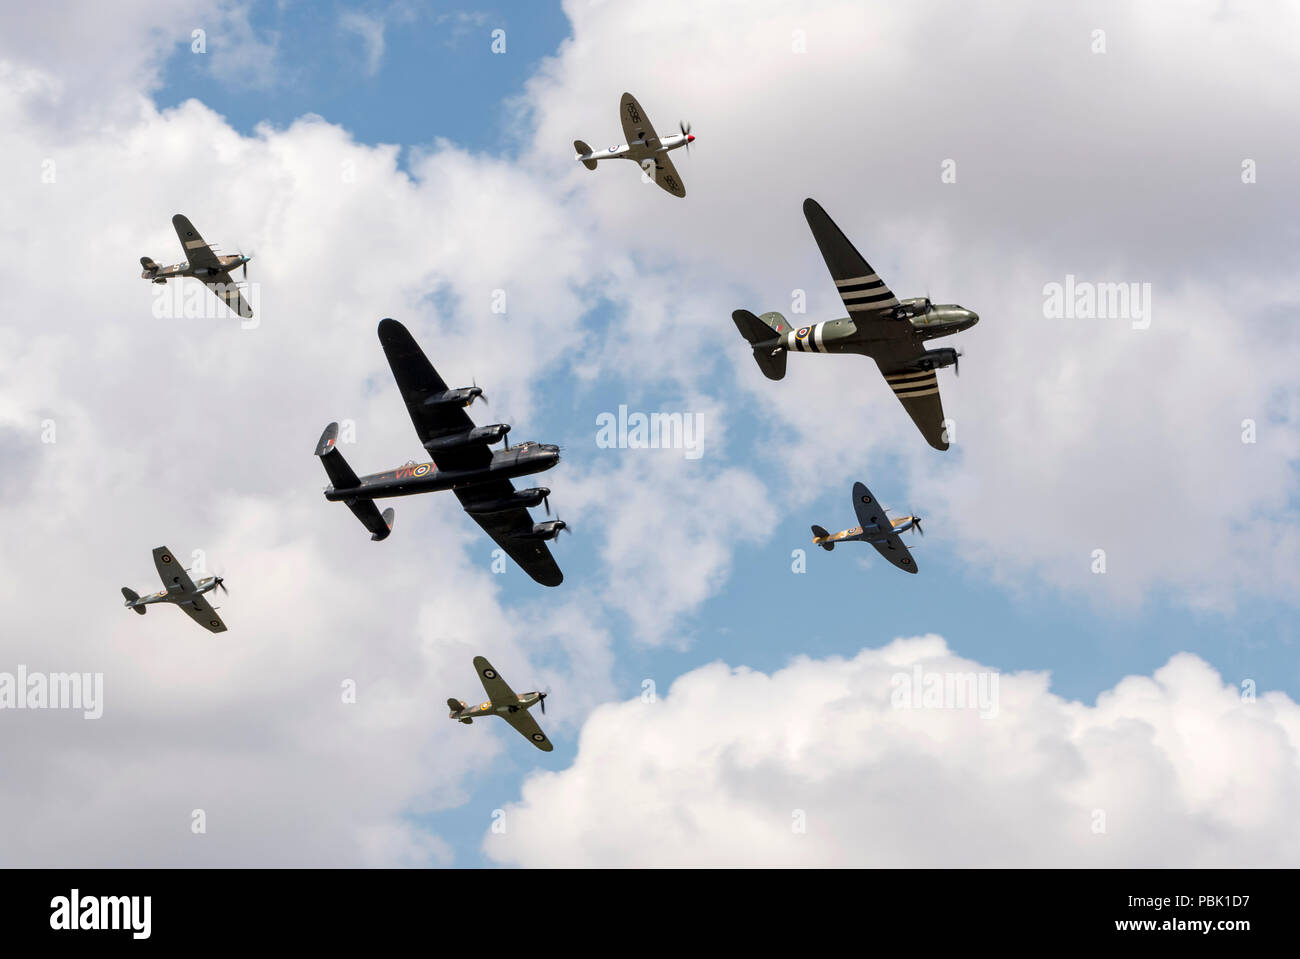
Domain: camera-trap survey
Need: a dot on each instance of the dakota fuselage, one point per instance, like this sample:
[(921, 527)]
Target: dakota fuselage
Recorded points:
[(844, 336), (519, 460)]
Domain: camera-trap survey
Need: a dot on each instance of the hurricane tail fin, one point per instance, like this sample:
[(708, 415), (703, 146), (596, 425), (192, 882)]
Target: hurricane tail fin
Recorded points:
[(131, 597)]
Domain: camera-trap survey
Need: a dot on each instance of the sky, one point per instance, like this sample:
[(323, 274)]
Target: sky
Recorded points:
[(1111, 543)]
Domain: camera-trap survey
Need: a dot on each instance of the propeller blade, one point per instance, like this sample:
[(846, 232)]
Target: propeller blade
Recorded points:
[(546, 502), (541, 698)]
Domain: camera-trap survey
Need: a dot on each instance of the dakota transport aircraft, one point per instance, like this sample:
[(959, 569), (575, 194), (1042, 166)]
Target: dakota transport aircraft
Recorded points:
[(503, 702), (879, 325), (179, 590), (645, 147), (203, 264), (479, 477), (875, 528)]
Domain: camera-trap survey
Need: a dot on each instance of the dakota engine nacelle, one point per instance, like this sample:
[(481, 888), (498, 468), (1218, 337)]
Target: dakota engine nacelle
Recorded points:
[(479, 435), (936, 359), (524, 497), (461, 397), (916, 306), (548, 530)]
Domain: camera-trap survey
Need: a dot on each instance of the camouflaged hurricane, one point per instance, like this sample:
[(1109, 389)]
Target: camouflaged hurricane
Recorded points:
[(879, 325), (644, 147), (203, 264), (462, 463), (502, 701), (179, 590)]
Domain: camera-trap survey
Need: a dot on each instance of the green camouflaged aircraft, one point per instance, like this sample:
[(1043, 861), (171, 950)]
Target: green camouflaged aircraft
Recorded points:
[(879, 325), (204, 264), (502, 701)]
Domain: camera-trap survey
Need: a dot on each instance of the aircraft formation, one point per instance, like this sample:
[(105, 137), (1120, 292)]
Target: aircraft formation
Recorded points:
[(879, 325)]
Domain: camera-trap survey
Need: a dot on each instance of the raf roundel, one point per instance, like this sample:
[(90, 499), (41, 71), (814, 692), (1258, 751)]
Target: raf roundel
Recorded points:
[(538, 738), (490, 673), (165, 557), (421, 469), (802, 333)]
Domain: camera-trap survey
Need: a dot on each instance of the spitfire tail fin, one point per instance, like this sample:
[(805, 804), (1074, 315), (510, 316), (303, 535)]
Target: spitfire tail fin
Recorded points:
[(131, 596), (584, 151), (344, 477), (764, 335), (821, 533)]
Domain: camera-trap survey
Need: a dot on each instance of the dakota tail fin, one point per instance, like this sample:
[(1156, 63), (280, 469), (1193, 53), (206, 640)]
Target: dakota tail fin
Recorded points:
[(344, 477), (821, 533), (584, 154), (764, 334), (131, 596)]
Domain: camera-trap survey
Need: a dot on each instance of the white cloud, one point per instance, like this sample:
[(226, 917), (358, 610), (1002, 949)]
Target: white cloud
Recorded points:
[(1175, 768), (1072, 435)]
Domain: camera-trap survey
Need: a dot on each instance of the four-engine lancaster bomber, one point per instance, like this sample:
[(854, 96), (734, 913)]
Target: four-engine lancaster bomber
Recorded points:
[(203, 264), (645, 147), (179, 590), (879, 325), (503, 702), (876, 528), (461, 462)]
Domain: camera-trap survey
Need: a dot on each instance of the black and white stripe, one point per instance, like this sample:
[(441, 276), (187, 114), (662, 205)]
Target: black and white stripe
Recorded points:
[(863, 294), (907, 385), (811, 341)]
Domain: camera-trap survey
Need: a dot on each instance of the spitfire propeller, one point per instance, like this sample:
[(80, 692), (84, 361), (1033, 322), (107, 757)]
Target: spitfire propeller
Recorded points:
[(686, 132), (541, 699), (220, 583)]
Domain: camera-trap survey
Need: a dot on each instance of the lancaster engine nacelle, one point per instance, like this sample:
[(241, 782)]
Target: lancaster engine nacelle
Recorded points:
[(548, 530), (479, 435), (523, 497), (460, 397)]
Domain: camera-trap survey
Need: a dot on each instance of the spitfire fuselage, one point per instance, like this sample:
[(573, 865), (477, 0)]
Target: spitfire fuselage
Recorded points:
[(205, 585), (858, 534), (639, 150), (519, 460)]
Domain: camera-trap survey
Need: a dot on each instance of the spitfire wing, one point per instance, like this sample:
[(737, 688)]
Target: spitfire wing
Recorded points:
[(878, 530), (667, 177), (204, 615), (527, 726), (895, 550), (418, 380), (228, 292), (170, 571), (864, 294), (918, 391), (498, 691), (532, 555), (197, 251), (636, 125)]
